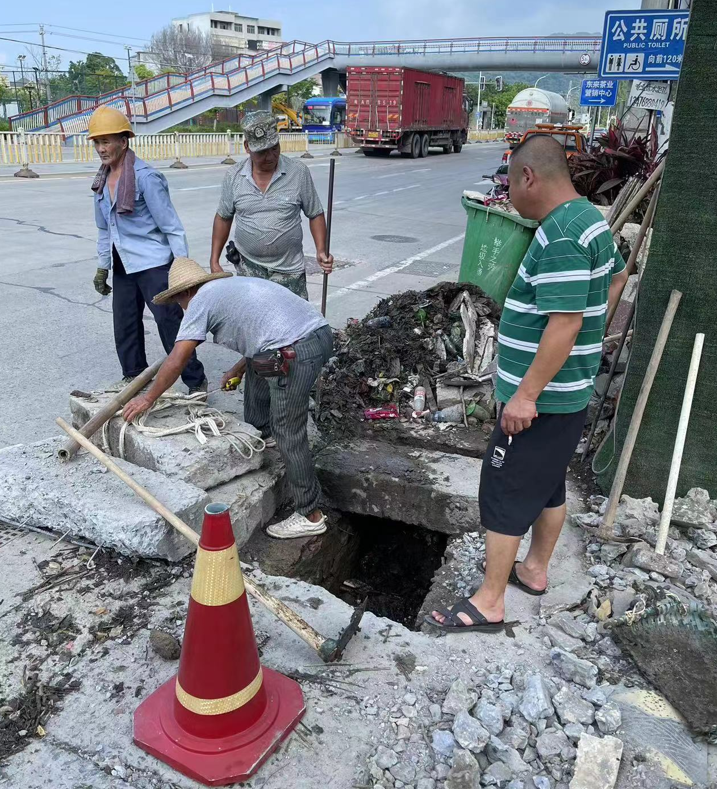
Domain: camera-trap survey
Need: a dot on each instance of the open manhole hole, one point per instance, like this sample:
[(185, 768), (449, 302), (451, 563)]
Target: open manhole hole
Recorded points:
[(390, 563), (395, 239)]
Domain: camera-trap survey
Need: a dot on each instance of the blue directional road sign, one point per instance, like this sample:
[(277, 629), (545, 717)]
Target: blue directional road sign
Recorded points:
[(643, 44), (598, 93)]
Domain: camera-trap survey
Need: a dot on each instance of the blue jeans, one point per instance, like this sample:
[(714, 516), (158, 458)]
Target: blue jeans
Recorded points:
[(130, 294)]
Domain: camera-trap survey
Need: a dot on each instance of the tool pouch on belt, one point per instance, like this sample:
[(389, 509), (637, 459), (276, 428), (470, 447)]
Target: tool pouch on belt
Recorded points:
[(273, 364), (233, 254)]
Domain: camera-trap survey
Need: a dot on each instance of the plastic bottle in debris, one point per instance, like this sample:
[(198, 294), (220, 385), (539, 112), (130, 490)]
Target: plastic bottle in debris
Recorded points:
[(453, 413), (382, 322), (419, 399)]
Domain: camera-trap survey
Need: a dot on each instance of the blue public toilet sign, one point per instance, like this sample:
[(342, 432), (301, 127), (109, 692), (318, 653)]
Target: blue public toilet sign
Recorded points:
[(643, 44), (598, 93)]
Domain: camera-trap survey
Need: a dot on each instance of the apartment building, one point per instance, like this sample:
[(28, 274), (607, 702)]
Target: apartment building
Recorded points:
[(235, 32)]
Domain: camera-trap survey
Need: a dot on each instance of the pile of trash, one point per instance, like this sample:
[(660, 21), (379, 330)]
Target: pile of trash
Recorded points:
[(422, 355)]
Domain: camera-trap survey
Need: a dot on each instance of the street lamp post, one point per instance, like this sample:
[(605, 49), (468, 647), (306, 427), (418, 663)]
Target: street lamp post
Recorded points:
[(21, 58), (539, 78), (131, 75)]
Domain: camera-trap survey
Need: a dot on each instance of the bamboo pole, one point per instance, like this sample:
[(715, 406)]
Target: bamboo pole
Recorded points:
[(631, 264), (292, 620), (679, 444), (106, 413), (606, 529), (638, 198)]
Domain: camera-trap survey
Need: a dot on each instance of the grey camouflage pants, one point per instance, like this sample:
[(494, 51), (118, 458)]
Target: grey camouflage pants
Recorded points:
[(296, 283), (280, 407)]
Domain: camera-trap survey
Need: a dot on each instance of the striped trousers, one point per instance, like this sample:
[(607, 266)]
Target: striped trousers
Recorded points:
[(280, 407)]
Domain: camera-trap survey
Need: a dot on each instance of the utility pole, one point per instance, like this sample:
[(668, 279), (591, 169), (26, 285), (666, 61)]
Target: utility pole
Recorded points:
[(131, 75), (44, 64), (21, 58)]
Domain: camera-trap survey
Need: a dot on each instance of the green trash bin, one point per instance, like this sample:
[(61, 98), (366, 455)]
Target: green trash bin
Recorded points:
[(494, 247)]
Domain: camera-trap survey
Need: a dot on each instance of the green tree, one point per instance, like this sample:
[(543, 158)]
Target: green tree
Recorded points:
[(142, 72), (501, 99), (96, 74)]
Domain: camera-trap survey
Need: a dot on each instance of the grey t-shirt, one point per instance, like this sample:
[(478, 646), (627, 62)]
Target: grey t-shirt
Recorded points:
[(249, 315), (268, 224)]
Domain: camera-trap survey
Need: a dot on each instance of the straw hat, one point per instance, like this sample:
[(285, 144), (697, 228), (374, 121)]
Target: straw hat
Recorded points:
[(183, 275)]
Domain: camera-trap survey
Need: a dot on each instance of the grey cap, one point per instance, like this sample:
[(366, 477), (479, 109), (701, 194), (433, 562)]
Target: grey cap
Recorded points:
[(260, 131)]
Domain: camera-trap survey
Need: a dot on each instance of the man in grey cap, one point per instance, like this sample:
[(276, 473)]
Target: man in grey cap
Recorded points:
[(267, 193)]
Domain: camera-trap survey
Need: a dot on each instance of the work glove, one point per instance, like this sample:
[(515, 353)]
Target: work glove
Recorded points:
[(100, 282)]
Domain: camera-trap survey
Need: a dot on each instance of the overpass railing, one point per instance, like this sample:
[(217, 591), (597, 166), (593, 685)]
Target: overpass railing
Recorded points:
[(164, 94)]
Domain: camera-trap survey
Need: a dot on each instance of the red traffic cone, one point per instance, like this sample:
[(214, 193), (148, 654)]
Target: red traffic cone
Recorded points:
[(223, 714)]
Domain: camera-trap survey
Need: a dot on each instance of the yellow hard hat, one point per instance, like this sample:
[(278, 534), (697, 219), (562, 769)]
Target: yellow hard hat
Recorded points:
[(106, 120)]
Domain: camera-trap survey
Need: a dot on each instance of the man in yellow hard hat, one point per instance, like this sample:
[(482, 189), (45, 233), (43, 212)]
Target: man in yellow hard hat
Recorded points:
[(140, 234)]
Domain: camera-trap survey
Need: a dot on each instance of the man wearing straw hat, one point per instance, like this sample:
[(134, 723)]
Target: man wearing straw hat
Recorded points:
[(284, 342), (267, 193), (139, 236)]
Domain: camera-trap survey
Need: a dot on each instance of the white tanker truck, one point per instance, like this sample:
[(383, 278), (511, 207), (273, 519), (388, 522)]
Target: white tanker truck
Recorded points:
[(531, 106)]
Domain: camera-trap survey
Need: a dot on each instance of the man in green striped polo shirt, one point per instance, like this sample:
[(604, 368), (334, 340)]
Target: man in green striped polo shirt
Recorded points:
[(549, 348)]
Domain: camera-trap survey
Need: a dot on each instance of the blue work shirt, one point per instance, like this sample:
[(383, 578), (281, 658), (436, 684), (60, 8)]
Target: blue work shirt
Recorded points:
[(152, 235)]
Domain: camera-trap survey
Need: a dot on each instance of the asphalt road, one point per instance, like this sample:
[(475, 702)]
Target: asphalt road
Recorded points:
[(398, 225)]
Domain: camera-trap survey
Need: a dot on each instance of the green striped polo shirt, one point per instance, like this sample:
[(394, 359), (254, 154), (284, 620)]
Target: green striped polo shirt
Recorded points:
[(567, 268)]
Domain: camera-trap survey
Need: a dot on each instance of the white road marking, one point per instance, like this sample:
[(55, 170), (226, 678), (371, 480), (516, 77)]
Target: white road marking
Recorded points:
[(378, 194), (194, 188), (410, 186), (361, 197), (405, 172), (386, 272)]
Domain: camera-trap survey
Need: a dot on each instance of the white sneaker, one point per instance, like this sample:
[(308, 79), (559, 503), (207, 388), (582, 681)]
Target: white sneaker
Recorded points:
[(296, 525)]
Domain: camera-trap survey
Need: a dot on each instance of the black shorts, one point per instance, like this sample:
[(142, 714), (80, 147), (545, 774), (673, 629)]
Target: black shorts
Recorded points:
[(519, 479)]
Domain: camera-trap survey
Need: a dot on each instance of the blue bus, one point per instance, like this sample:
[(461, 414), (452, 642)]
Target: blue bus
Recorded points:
[(324, 116)]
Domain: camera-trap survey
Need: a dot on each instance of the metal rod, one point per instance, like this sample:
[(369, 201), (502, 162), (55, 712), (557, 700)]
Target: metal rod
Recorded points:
[(105, 414), (606, 529), (329, 215), (679, 444)]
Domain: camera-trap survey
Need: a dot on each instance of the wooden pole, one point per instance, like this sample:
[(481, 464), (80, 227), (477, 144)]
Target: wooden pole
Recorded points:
[(329, 215), (105, 414), (679, 444), (631, 265), (280, 610), (606, 529), (638, 198)]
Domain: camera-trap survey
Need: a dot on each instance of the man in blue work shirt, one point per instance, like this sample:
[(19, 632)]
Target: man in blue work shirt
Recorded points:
[(140, 234)]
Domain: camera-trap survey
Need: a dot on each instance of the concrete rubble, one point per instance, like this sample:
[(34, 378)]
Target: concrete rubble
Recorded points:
[(179, 456), (83, 499)]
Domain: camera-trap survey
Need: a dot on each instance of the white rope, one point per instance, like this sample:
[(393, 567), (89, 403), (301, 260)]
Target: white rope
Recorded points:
[(202, 420)]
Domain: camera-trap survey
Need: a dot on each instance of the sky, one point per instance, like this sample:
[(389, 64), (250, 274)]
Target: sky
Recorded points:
[(133, 21)]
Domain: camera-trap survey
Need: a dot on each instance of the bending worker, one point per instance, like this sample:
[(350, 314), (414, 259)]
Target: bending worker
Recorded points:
[(267, 193), (284, 342), (139, 236)]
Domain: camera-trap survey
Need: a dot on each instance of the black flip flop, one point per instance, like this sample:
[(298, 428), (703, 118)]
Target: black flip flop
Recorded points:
[(482, 625), (513, 580)]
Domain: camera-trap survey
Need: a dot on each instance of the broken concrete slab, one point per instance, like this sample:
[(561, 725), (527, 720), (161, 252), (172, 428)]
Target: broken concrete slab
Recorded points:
[(431, 489), (597, 763), (565, 596), (179, 456), (82, 498), (447, 396), (253, 498), (646, 559)]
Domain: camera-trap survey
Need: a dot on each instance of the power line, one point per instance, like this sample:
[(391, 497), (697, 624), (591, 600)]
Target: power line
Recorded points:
[(97, 32), (86, 38), (48, 46)]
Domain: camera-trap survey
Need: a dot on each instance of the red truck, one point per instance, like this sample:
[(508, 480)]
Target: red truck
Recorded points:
[(402, 109)]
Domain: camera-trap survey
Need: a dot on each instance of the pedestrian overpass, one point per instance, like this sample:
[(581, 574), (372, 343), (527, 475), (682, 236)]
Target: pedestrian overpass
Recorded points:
[(171, 99)]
